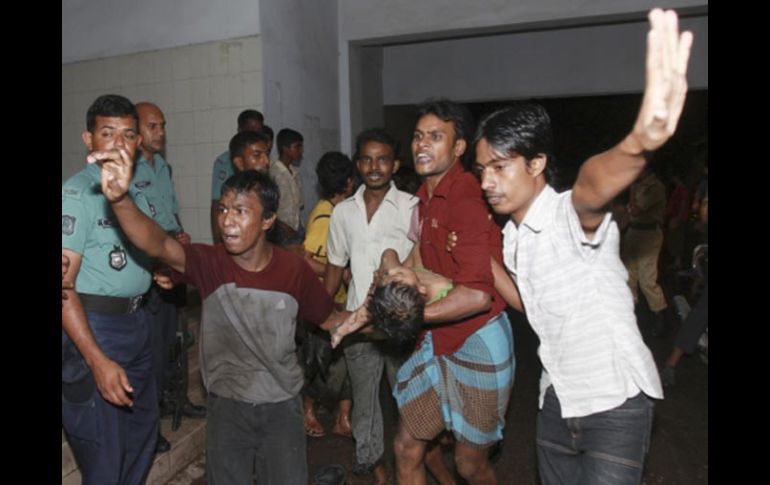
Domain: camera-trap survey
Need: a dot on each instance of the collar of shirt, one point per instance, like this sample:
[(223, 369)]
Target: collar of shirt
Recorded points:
[(445, 184), (94, 173), (158, 160), (390, 196), (536, 218), (279, 166), (539, 213)]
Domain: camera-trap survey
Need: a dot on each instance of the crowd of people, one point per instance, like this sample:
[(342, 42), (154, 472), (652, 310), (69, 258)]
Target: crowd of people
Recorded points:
[(412, 285)]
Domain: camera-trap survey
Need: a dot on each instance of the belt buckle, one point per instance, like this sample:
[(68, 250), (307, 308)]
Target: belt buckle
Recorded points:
[(134, 304)]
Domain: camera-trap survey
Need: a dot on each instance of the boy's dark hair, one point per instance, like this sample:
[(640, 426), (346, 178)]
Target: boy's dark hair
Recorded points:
[(268, 131), (523, 129), (334, 169), (459, 115), (286, 137), (242, 140), (375, 134), (110, 105), (398, 310), (259, 183), (248, 115)]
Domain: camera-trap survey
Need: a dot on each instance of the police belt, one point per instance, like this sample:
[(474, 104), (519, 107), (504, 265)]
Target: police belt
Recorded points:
[(112, 305), (644, 226)]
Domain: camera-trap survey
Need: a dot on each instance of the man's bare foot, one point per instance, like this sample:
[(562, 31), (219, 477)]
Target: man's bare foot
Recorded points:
[(342, 426), (379, 475), (313, 427)]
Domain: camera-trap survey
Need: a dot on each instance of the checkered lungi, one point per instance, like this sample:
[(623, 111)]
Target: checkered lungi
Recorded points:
[(465, 392)]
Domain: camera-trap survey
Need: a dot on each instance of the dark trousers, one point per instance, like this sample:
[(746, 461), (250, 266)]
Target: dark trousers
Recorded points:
[(112, 445), (162, 314), (241, 436), (602, 448)]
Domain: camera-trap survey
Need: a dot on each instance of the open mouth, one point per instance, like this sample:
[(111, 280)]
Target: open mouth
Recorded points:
[(422, 158)]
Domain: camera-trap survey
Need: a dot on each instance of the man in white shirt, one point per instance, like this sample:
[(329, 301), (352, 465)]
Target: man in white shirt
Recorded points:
[(375, 218), (562, 252), (287, 177)]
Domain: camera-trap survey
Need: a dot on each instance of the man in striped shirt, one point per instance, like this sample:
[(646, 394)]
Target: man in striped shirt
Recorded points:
[(562, 252)]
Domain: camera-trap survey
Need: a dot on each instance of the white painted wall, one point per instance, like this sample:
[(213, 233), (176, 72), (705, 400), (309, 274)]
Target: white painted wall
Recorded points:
[(102, 28), (299, 42), (200, 88), (567, 62)]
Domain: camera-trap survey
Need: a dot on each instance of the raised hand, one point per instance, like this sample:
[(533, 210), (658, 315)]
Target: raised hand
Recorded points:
[(183, 237), (163, 279), (354, 322), (117, 169), (666, 80)]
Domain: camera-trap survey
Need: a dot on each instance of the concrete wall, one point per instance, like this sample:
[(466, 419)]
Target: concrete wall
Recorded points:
[(369, 21), (201, 89), (299, 41), (567, 62), (102, 28), (366, 71), (376, 23)]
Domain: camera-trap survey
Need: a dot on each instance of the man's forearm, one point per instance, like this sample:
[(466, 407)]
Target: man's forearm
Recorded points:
[(604, 176), (75, 323), (318, 267), (461, 303), (332, 278), (143, 232)]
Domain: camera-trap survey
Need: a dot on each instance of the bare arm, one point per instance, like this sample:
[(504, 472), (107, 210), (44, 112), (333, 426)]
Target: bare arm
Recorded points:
[(181, 236), (460, 303), (604, 176), (506, 287), (318, 267), (143, 232), (110, 378), (332, 278)]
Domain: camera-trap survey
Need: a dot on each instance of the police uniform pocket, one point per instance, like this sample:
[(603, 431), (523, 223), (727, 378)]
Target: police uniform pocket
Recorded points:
[(73, 367), (80, 418)]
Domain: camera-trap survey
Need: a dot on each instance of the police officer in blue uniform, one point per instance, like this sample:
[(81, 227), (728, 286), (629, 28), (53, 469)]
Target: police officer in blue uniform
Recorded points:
[(109, 403), (248, 120), (152, 177)]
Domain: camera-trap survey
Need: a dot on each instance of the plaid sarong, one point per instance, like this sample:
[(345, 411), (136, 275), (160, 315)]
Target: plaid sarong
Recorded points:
[(465, 392)]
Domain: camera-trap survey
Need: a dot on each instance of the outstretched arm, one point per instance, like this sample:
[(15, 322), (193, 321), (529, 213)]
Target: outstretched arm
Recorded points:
[(144, 233), (604, 176)]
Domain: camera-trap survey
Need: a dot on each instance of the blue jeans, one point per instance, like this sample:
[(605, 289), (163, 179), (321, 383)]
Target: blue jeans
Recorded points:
[(602, 448), (240, 436)]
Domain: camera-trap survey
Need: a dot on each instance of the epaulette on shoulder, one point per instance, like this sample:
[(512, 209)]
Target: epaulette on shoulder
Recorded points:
[(72, 192)]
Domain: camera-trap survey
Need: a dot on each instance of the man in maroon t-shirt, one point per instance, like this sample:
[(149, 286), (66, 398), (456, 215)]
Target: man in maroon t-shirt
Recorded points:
[(252, 294), (461, 374)]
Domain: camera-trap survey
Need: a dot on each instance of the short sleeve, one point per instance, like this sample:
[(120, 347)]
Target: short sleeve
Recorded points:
[(75, 222), (337, 251)]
